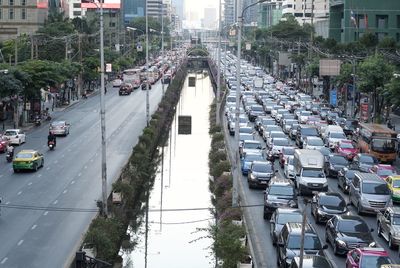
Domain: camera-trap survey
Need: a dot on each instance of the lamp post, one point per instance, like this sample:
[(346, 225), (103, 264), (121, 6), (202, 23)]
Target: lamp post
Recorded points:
[(147, 68), (162, 47), (238, 83), (219, 66)]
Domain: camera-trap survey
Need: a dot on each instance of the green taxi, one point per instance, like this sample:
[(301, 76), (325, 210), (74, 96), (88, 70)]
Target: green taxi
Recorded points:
[(394, 185), (28, 159)]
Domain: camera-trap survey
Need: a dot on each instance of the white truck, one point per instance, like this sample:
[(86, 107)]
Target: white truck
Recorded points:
[(309, 171)]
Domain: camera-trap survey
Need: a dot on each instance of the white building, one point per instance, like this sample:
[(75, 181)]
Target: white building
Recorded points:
[(302, 9), (210, 18), (75, 9)]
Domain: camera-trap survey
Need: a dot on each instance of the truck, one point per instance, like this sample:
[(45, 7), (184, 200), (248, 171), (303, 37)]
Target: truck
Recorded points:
[(388, 222), (309, 171)]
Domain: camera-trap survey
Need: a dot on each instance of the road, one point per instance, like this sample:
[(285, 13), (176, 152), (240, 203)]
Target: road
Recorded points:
[(71, 178), (259, 229)]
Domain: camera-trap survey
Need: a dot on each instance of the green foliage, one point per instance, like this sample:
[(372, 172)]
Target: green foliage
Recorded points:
[(346, 70), (373, 73), (9, 85), (220, 167), (392, 91), (388, 43), (369, 40)]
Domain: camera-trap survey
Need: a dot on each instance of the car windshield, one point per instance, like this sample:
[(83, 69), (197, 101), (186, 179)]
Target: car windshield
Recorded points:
[(24, 155), (290, 161), (367, 159), (337, 135), (252, 145), (257, 108), (396, 220), (289, 217), (278, 135), (268, 121), (243, 120), (58, 124), (251, 158), (262, 168), (385, 172), (353, 226), (350, 174), (338, 160), (310, 242), (315, 142), (346, 145), (281, 142), (375, 188), (332, 200), (305, 113), (10, 133), (313, 173), (281, 190), (309, 132), (245, 136), (288, 151), (325, 151), (370, 261), (248, 130), (396, 184), (383, 145)]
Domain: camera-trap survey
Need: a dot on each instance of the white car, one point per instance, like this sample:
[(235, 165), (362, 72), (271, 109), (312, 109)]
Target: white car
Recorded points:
[(15, 136), (313, 143), (116, 82), (288, 169)]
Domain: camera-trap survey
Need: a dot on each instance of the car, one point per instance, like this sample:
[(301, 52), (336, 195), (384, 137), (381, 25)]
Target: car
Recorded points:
[(260, 174), (325, 205), (246, 129), (394, 186), (288, 168), (364, 162), (144, 85), (289, 242), (250, 146), (28, 159), (345, 177), (284, 154), (383, 171), (335, 163), (350, 127), (4, 142), (255, 111), (247, 159), (276, 147), (59, 128), (347, 232), (280, 217), (243, 137), (116, 82), (125, 89), (312, 261), (346, 148), (312, 143), (279, 193), (333, 138), (15, 136), (388, 222), (368, 258)]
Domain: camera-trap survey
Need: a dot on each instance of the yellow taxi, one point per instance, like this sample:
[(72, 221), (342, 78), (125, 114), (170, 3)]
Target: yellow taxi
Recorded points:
[(28, 159), (394, 186)]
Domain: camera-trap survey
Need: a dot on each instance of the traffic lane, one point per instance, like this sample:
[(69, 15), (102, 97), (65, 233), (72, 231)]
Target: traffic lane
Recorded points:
[(134, 127)]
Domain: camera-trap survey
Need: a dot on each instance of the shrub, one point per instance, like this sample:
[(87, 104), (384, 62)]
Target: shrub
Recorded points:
[(219, 168)]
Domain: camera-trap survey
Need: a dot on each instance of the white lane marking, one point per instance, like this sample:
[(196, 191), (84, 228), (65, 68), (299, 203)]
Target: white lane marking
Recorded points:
[(72, 182), (65, 191), (29, 184), (19, 193), (4, 260), (45, 213), (39, 175), (47, 168), (34, 227), (20, 242), (80, 174), (55, 202)]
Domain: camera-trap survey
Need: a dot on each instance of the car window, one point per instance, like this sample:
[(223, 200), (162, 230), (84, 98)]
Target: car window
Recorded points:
[(353, 226), (396, 184), (331, 200), (264, 168), (368, 159), (374, 261), (281, 190), (338, 160), (375, 188), (289, 217), (24, 155), (10, 133), (313, 173), (310, 242)]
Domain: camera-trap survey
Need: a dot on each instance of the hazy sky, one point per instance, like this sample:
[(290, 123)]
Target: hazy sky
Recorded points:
[(199, 5)]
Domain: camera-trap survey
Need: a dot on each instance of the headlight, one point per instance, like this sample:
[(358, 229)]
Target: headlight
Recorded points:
[(372, 244), (252, 177), (341, 243)]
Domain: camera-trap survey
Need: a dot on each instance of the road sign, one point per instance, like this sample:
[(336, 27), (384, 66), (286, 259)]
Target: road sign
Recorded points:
[(333, 97)]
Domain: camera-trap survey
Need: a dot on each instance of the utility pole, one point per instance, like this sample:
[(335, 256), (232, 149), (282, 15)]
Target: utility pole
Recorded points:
[(32, 47), (219, 66), (303, 230), (16, 52), (80, 78), (162, 46), (66, 48), (147, 69)]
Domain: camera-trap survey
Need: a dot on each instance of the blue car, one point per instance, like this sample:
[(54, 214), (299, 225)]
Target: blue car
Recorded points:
[(248, 158)]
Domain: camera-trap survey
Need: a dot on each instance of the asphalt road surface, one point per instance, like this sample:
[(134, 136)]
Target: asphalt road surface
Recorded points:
[(71, 178)]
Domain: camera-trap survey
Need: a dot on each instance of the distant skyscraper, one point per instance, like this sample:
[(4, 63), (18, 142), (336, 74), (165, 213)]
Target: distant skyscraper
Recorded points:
[(210, 18), (230, 15), (250, 16), (179, 7), (133, 9)]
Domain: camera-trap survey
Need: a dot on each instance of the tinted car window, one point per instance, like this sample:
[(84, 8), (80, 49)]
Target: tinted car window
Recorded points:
[(368, 159), (286, 217), (310, 242), (375, 188), (313, 173), (280, 142), (331, 200), (264, 168), (281, 190), (309, 132), (353, 226), (350, 174), (338, 160), (374, 261), (289, 151)]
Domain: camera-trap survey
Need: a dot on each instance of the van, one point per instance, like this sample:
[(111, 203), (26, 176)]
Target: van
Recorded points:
[(331, 128), (369, 193)]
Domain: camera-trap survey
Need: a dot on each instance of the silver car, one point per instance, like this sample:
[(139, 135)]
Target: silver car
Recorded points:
[(59, 128)]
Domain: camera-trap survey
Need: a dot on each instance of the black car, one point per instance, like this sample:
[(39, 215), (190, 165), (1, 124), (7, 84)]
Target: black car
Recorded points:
[(325, 205), (363, 162), (350, 126), (255, 111), (335, 162), (345, 177), (260, 174), (280, 217), (331, 117), (289, 243), (279, 193), (312, 261), (346, 232)]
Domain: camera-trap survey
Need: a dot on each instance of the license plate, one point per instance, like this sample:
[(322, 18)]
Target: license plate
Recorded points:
[(315, 185), (263, 182)]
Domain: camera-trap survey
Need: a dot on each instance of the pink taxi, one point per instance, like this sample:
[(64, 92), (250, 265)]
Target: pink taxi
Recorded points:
[(346, 149), (383, 171)]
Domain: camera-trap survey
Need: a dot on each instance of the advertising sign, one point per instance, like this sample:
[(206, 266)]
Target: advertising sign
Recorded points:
[(248, 46), (364, 112), (94, 4), (42, 4), (329, 67), (333, 97)]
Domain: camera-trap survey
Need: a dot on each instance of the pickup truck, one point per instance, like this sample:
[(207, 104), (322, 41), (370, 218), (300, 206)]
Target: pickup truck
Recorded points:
[(388, 222)]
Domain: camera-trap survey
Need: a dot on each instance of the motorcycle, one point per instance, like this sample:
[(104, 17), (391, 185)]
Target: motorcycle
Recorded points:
[(9, 157), (48, 118), (38, 120), (51, 145)]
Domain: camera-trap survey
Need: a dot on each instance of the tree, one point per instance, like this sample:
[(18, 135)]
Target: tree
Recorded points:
[(9, 85), (388, 43), (392, 91), (373, 73)]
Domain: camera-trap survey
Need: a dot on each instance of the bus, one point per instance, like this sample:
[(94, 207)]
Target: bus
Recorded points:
[(132, 76), (378, 140)]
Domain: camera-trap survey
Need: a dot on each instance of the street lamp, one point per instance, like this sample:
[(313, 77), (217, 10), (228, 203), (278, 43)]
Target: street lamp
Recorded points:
[(239, 47), (219, 65)]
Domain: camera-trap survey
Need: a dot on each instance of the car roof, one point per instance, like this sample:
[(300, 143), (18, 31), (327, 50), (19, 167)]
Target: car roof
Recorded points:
[(288, 210), (349, 217), (295, 227), (280, 181), (329, 194), (373, 251), (383, 166), (369, 177)]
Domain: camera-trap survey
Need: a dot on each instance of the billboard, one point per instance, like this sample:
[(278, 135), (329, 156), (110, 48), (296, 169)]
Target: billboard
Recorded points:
[(42, 4), (94, 4), (329, 67)]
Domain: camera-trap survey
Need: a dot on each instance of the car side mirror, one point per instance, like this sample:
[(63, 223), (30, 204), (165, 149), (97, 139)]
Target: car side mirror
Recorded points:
[(325, 247)]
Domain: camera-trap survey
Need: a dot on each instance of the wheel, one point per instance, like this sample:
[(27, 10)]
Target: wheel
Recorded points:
[(379, 230), (359, 211), (19, 142), (36, 167), (16, 170), (326, 239), (390, 242), (42, 165), (317, 221)]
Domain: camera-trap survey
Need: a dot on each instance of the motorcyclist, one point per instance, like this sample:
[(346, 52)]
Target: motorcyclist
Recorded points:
[(10, 150), (52, 138)]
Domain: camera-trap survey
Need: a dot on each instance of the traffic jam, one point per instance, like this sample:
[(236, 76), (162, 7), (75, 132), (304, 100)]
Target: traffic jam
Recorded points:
[(297, 152)]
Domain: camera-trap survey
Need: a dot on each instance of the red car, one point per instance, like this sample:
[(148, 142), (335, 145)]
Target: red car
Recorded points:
[(383, 171), (367, 257), (346, 149), (3, 144)]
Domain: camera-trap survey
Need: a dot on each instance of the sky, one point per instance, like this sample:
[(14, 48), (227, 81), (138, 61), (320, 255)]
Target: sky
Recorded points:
[(196, 7)]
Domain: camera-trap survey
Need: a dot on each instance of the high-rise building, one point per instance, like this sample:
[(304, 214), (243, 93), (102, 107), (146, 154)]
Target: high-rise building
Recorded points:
[(75, 9), (154, 8), (302, 9), (250, 16), (179, 7), (210, 18), (133, 9), (269, 13), (230, 13)]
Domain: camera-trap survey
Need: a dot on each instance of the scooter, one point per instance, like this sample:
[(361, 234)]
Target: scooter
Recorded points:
[(38, 120), (9, 157), (51, 145)]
